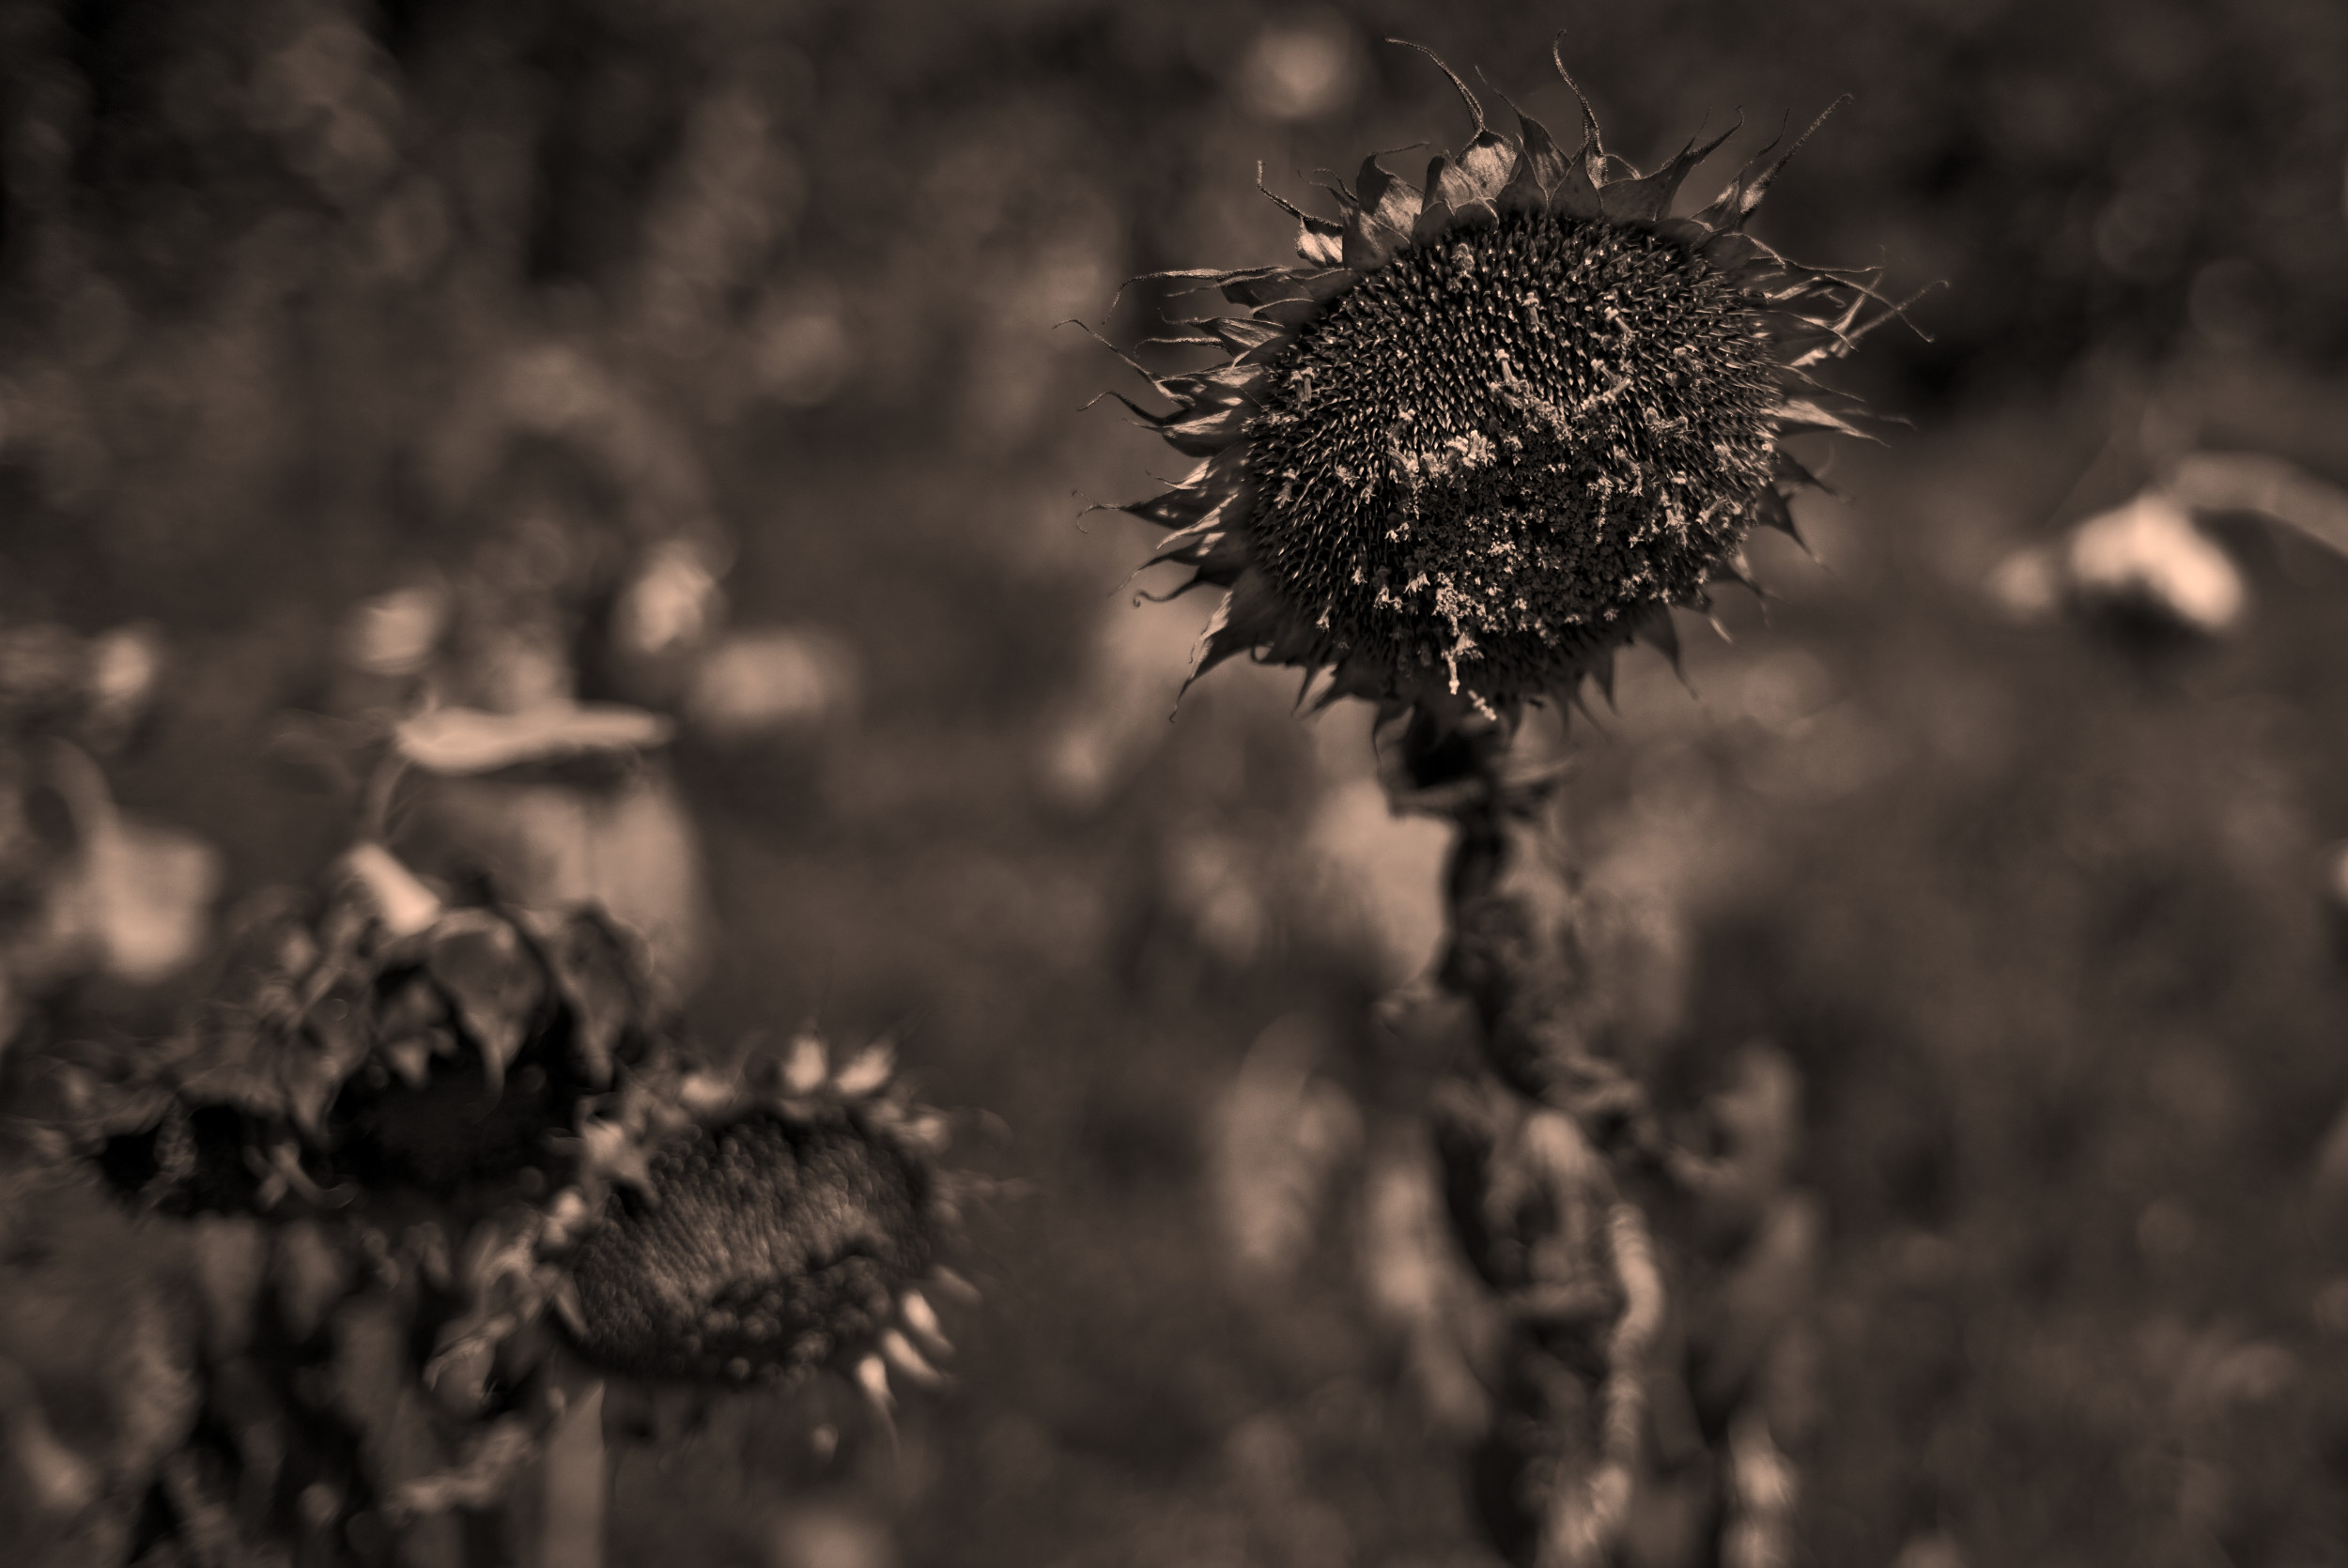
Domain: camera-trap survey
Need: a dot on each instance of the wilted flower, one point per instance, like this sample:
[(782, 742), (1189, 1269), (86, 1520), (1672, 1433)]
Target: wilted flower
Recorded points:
[(468, 1122), (2142, 571), (2146, 561), (779, 1227), (1492, 430)]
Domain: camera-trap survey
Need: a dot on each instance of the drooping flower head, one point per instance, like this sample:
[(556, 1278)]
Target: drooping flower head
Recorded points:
[(476, 1118), (1493, 429)]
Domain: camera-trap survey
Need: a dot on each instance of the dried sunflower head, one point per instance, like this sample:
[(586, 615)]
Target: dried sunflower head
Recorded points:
[(1494, 429), (492, 1087), (757, 1227)]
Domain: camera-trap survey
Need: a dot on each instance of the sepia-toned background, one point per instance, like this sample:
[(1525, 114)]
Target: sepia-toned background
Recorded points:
[(715, 355)]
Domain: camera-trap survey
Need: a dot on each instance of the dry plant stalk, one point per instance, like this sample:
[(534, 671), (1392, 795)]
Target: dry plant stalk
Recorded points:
[(1492, 430), (1645, 1269)]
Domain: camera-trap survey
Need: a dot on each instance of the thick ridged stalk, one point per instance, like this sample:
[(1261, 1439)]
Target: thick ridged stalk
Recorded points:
[(1649, 1281)]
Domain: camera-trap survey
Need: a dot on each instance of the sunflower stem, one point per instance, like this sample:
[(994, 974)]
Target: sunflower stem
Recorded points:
[(575, 1480), (1575, 1209)]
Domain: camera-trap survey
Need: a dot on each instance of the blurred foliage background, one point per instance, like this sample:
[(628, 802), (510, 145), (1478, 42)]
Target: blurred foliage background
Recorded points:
[(708, 354)]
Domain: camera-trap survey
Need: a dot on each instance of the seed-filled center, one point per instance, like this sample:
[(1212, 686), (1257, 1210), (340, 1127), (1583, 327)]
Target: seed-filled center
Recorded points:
[(1487, 454), (760, 1249)]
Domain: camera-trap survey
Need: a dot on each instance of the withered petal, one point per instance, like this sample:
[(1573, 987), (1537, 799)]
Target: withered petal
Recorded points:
[(1434, 213), (1289, 283), (1379, 225), (1222, 385), (1659, 631), (1476, 110), (1482, 170), (1208, 545), (1785, 466), (1575, 194), (1736, 202), (1796, 415), (1175, 509), (1196, 435), (1240, 333), (1770, 511), (1648, 198), (1288, 313), (1318, 240), (1593, 155)]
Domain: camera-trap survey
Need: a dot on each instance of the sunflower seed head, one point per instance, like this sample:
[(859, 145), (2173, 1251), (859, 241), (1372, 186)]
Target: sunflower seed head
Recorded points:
[(770, 1242), (1483, 457), (1497, 427)]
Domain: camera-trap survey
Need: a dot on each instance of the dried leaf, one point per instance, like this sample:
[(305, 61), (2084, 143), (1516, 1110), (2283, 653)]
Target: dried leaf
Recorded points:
[(597, 975), (457, 741), (404, 904), (490, 978)]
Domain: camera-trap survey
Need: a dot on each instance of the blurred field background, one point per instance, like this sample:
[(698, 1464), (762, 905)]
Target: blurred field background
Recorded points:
[(508, 310)]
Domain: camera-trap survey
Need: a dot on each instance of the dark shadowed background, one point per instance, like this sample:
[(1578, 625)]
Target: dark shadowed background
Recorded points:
[(316, 316)]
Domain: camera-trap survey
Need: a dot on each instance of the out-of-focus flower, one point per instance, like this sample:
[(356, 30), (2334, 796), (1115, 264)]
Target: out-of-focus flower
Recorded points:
[(1493, 430), (2144, 568), (482, 1098), (2147, 558), (768, 1242)]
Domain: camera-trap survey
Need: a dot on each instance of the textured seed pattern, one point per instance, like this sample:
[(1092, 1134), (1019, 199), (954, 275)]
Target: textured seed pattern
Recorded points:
[(759, 1250), (1486, 453)]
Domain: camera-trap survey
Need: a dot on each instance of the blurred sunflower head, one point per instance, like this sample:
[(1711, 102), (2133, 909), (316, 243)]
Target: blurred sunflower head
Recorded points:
[(1494, 429), (756, 1228)]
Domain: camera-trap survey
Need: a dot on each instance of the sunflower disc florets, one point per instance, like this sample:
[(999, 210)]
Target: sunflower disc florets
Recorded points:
[(1495, 428), (755, 1229)]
